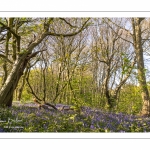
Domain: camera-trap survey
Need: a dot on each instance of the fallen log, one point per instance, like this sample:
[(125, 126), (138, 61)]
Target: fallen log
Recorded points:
[(45, 105), (67, 108)]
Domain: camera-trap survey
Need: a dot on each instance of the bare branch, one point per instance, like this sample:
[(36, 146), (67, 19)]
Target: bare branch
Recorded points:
[(72, 26), (5, 58), (120, 26), (32, 91), (10, 30), (120, 35), (34, 54), (45, 34)]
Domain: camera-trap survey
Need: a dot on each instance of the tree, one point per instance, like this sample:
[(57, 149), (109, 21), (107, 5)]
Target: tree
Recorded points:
[(25, 48), (137, 40), (137, 36), (110, 55)]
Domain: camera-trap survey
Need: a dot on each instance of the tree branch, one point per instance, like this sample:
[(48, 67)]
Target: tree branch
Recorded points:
[(119, 26), (127, 76), (5, 58), (45, 34), (34, 54), (120, 34), (32, 91), (37, 98), (72, 26), (70, 34), (10, 30)]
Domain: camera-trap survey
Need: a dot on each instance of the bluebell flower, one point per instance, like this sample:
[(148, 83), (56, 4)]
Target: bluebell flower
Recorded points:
[(1, 130)]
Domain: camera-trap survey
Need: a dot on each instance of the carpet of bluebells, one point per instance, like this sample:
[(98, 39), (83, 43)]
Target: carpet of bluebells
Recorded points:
[(28, 118)]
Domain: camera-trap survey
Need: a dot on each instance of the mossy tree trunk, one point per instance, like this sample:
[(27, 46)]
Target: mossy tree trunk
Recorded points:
[(136, 24)]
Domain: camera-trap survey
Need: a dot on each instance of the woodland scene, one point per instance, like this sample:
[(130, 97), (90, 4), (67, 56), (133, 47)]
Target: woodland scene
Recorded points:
[(74, 74)]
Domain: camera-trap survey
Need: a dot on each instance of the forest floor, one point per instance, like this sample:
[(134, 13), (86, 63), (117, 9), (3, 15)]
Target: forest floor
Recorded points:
[(27, 117)]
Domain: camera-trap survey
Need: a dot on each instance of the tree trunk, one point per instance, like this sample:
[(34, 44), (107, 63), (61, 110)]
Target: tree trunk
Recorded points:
[(140, 65), (6, 93), (109, 97), (22, 85), (110, 100)]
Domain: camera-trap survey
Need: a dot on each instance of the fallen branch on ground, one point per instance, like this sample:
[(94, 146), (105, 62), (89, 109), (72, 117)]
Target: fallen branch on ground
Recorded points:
[(45, 105)]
